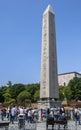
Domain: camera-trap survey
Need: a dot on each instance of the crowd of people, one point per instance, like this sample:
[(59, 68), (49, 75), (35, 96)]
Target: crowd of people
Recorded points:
[(13, 112), (59, 113), (77, 115)]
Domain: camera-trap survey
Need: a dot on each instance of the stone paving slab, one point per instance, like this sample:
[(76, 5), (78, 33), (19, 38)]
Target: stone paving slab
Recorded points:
[(71, 126), (42, 126)]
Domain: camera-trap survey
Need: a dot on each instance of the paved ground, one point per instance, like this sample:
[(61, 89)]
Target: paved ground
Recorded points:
[(71, 126), (42, 126)]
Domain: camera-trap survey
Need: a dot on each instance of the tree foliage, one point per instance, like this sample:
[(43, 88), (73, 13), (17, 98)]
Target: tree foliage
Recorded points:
[(16, 92), (64, 93), (2, 91), (23, 96), (32, 88), (75, 87), (9, 84), (20, 93), (37, 95), (16, 89)]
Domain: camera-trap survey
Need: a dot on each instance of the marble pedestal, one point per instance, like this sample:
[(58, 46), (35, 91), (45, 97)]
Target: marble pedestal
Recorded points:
[(44, 104)]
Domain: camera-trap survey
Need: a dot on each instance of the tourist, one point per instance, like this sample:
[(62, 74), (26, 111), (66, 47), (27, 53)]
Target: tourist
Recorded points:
[(77, 116), (56, 113), (9, 113), (47, 113), (30, 115), (3, 112), (62, 110), (21, 117), (13, 111), (62, 117)]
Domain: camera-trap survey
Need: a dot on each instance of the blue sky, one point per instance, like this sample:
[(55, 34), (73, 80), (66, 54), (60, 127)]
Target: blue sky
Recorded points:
[(21, 36)]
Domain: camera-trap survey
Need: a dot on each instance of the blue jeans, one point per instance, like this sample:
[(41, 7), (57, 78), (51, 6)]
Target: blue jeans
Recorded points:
[(2, 116), (77, 121)]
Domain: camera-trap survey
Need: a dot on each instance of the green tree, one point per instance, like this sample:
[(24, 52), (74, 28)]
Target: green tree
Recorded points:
[(36, 95), (61, 93), (9, 93), (64, 92), (9, 84), (8, 99), (23, 96), (67, 93), (16, 89), (2, 92), (31, 88), (75, 87)]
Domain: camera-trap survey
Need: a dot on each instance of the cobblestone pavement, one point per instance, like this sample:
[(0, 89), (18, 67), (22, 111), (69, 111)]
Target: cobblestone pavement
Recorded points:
[(42, 126), (71, 126)]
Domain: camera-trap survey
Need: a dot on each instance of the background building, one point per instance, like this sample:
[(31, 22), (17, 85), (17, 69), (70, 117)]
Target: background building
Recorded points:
[(64, 78)]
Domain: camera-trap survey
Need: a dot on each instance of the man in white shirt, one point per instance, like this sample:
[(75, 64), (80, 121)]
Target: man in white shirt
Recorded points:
[(13, 111)]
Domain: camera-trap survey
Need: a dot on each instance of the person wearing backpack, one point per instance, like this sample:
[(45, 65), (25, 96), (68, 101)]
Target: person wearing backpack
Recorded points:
[(77, 116)]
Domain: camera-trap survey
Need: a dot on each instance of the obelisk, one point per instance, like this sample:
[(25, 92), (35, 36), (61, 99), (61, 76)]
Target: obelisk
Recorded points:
[(49, 77)]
